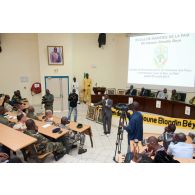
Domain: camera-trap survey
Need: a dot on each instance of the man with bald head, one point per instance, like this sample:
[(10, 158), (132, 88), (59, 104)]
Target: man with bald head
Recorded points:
[(135, 126), (179, 149)]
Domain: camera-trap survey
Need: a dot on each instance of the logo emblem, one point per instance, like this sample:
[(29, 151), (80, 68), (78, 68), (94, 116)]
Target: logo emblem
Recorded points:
[(160, 56)]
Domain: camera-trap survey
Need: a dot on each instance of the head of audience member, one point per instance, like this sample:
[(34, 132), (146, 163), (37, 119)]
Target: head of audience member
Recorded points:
[(30, 125), (152, 143), (6, 99), (31, 109), (64, 121), (18, 93), (179, 137), (2, 110), (48, 115), (73, 91), (21, 118), (74, 79), (170, 128), (47, 91), (106, 96), (165, 90), (87, 75), (174, 91), (135, 106), (20, 106), (131, 87)]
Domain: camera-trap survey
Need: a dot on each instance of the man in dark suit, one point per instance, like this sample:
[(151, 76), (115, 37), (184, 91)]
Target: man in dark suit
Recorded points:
[(145, 92), (106, 113), (131, 91)]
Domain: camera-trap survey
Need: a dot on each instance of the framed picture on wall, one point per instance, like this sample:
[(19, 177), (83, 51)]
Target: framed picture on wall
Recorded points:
[(111, 91), (55, 55)]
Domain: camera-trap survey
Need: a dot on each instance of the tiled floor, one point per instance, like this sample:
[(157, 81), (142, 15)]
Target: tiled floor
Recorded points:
[(104, 146)]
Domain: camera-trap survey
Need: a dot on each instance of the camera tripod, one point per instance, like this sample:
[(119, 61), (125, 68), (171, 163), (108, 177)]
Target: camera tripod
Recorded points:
[(122, 122)]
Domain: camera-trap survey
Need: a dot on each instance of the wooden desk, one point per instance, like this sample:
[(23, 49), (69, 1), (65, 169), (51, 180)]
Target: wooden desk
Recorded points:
[(86, 129), (14, 139), (148, 104), (45, 131)]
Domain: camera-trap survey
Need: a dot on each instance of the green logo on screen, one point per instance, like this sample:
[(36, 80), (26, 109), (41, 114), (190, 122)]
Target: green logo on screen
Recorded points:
[(160, 56)]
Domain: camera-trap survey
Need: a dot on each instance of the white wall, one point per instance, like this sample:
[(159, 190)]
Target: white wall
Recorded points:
[(26, 55), (19, 57)]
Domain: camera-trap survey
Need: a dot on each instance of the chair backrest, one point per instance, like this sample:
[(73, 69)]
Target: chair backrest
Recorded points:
[(182, 97)]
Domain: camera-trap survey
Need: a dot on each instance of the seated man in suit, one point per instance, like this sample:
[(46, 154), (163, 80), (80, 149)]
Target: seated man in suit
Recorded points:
[(175, 96), (43, 145), (131, 91), (163, 94), (179, 149), (145, 92)]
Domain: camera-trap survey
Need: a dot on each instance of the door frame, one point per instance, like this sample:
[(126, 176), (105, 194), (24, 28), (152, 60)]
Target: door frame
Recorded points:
[(58, 77)]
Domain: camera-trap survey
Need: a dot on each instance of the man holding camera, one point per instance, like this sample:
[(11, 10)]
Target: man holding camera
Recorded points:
[(135, 126), (106, 113), (48, 100)]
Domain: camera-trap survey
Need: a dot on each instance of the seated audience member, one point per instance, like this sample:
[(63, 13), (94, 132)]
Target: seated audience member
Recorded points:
[(20, 108), (163, 94), (179, 149), (49, 117), (20, 125), (74, 136), (6, 103), (44, 145), (16, 97), (4, 158), (175, 96), (131, 91), (31, 113), (3, 120), (167, 136), (192, 101), (192, 135), (158, 151)]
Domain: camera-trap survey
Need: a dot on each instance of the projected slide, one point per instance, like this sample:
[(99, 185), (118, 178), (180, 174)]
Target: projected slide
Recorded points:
[(162, 59)]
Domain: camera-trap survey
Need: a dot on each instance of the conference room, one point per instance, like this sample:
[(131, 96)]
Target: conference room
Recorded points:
[(97, 98)]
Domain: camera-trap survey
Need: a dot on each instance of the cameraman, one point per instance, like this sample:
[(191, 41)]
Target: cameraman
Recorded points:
[(48, 100), (135, 126), (73, 99)]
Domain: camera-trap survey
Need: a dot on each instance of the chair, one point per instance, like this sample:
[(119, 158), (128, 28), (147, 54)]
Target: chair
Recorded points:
[(182, 97)]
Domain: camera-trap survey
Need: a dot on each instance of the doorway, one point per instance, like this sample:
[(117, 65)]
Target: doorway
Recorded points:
[(59, 87)]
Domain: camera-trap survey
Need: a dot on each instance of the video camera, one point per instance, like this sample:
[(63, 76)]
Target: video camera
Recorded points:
[(122, 107)]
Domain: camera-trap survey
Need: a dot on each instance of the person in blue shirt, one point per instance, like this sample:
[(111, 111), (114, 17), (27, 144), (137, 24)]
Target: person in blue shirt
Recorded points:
[(135, 126)]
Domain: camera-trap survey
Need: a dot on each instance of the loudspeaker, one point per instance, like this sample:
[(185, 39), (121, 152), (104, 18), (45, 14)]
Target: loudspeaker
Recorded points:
[(102, 39)]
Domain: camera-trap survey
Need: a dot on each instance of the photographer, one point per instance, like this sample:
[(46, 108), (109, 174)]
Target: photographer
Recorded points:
[(73, 99), (135, 126), (48, 100)]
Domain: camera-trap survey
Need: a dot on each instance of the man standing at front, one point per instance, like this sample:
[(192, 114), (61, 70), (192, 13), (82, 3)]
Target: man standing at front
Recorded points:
[(106, 113), (48, 100), (135, 126), (75, 86), (87, 88), (73, 99)]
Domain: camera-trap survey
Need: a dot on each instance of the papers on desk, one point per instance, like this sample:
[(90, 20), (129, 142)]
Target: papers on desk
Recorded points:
[(11, 117), (46, 125), (187, 110), (158, 104)]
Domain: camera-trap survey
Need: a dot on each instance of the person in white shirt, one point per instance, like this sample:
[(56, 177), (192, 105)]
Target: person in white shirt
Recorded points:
[(179, 149), (163, 94), (75, 85), (21, 125)]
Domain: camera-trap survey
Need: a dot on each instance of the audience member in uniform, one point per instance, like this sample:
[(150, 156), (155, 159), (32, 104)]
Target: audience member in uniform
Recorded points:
[(74, 136), (167, 136), (31, 113), (20, 125), (7, 104), (175, 96), (16, 97), (44, 145), (163, 94), (3, 120), (179, 149)]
